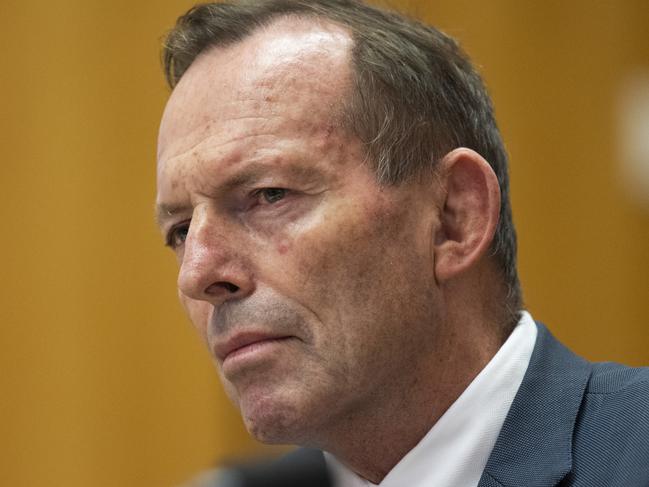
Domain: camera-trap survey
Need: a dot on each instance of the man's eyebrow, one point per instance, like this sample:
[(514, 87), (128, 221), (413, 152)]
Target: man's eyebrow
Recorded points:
[(164, 212), (246, 177), (256, 171)]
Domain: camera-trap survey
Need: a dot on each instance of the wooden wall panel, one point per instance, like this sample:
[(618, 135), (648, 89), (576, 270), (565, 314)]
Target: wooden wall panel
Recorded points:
[(103, 382)]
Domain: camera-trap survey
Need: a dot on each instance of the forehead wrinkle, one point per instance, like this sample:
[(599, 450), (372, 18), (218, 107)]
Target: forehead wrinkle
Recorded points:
[(196, 151), (212, 149)]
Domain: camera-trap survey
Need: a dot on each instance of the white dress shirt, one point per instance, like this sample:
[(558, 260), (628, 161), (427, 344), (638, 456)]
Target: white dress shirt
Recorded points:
[(454, 452)]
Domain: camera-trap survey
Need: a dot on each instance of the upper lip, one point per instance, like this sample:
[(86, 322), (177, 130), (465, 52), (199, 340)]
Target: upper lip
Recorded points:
[(223, 348)]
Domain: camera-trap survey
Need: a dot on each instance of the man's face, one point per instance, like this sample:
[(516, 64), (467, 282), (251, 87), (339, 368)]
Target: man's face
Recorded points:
[(311, 284)]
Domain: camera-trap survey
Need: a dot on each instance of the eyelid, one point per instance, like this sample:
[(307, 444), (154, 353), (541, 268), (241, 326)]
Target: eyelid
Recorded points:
[(256, 196), (261, 191)]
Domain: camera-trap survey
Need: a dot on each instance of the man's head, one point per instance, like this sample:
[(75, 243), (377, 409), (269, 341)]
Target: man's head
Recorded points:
[(415, 95), (331, 232)]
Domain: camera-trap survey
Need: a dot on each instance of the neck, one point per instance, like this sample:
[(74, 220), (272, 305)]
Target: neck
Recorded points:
[(372, 442)]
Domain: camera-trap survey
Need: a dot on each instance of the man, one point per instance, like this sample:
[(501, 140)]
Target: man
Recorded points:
[(334, 186)]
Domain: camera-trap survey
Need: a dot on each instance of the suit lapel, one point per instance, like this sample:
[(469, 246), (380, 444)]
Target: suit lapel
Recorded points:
[(534, 447)]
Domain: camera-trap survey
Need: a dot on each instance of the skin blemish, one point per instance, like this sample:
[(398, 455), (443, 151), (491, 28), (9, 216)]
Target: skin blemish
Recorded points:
[(283, 247), (178, 179)]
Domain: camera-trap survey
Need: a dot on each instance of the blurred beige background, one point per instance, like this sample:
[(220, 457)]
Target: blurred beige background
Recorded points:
[(103, 382)]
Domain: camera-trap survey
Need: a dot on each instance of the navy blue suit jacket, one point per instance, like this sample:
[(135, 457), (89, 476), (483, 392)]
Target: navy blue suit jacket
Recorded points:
[(572, 423)]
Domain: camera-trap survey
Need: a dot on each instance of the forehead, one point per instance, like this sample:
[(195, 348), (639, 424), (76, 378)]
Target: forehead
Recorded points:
[(294, 70)]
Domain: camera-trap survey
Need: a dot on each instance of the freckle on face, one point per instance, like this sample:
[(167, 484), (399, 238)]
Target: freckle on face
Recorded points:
[(283, 247)]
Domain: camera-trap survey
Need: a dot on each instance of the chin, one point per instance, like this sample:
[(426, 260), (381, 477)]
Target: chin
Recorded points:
[(273, 419)]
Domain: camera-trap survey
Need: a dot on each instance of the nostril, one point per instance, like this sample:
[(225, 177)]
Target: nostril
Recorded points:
[(217, 287), (230, 287)]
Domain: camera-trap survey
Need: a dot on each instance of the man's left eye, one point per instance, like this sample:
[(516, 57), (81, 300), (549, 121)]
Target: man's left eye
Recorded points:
[(272, 195)]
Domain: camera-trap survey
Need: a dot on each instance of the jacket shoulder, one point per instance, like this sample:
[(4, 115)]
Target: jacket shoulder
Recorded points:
[(611, 440), (616, 379)]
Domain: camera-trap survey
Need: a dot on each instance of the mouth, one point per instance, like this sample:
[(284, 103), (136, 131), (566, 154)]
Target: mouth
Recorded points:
[(245, 343)]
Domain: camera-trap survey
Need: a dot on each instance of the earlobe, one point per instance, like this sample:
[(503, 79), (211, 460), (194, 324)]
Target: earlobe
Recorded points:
[(468, 213)]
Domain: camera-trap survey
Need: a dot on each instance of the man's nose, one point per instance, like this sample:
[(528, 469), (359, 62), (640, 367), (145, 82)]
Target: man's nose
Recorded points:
[(213, 268)]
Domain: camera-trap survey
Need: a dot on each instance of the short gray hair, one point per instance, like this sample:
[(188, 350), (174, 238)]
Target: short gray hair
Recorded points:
[(416, 95)]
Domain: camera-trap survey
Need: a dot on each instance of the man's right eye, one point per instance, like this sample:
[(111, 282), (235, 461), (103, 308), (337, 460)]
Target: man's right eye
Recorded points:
[(177, 235)]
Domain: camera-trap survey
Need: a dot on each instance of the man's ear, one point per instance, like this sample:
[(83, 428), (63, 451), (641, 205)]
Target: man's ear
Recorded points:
[(468, 212)]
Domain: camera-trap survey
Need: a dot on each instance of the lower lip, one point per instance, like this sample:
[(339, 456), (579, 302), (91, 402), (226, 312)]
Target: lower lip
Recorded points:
[(253, 352)]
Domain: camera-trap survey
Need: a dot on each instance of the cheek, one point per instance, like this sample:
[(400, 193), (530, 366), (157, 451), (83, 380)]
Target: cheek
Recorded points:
[(377, 272), (354, 249), (347, 264)]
